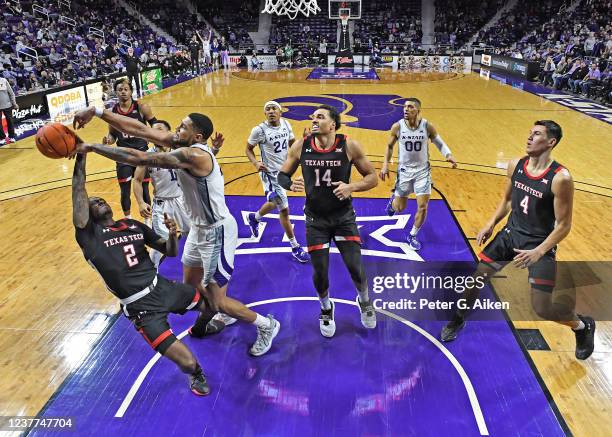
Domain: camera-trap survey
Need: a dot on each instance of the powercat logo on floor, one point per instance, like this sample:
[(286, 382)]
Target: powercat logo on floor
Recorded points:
[(581, 105)]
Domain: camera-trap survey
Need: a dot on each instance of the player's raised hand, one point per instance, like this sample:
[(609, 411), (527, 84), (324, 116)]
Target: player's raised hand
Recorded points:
[(484, 234), (342, 191), (307, 132), (384, 172), (82, 117), (170, 224), (145, 210), (450, 159), (217, 140), (298, 184)]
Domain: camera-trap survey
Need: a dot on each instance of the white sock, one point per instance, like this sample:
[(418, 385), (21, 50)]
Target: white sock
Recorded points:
[(257, 216), (294, 243), (580, 326), (414, 231), (129, 216), (261, 321), (325, 302)]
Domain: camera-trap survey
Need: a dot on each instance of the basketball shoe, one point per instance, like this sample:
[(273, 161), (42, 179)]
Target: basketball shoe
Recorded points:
[(585, 338), (367, 313), (254, 225), (413, 243), (327, 324), (389, 208), (300, 254), (197, 382), (265, 336)]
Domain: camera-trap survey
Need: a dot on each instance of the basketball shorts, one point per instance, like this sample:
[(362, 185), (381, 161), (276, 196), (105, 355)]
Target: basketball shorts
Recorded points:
[(149, 314), (410, 181), (212, 248), (321, 230), (125, 173), (175, 208), (270, 185), (500, 251)]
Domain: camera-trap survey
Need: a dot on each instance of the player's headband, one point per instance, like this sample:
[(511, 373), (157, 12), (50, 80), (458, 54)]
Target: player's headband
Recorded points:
[(273, 103)]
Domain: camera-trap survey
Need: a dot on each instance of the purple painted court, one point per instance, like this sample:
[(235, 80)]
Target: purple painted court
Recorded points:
[(396, 380)]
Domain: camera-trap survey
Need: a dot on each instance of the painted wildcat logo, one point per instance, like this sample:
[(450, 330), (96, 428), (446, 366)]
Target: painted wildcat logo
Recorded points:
[(371, 111)]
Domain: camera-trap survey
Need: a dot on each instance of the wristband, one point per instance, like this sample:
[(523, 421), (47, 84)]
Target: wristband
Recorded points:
[(99, 112)]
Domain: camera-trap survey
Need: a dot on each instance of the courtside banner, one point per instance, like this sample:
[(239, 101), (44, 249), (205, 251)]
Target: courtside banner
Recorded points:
[(513, 66), (151, 81), (95, 94), (64, 104), (30, 106)]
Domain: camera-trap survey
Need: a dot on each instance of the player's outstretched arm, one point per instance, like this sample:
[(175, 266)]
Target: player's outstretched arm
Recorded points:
[(126, 125), (504, 207), (144, 207), (440, 144), (179, 158), (363, 166), (290, 167), (393, 136), (80, 200)]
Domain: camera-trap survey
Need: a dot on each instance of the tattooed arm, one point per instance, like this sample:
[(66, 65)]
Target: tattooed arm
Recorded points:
[(80, 201)]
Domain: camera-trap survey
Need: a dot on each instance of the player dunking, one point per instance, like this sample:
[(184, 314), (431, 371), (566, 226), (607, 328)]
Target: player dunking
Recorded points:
[(208, 257), (274, 137), (137, 111), (326, 159), (539, 197), (167, 196), (413, 170), (116, 250)]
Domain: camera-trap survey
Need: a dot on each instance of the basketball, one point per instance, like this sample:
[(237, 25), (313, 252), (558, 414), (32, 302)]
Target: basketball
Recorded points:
[(54, 140)]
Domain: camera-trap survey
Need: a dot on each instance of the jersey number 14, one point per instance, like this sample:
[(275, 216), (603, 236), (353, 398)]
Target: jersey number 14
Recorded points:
[(326, 177)]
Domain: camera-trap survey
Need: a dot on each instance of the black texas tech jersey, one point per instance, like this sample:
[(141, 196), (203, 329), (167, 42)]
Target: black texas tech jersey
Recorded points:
[(124, 140), (320, 168), (533, 211), (119, 255)]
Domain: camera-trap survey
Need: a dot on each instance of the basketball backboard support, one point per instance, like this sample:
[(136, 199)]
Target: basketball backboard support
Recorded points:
[(337, 7)]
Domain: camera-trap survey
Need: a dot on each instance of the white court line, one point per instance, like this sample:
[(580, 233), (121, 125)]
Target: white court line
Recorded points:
[(469, 388)]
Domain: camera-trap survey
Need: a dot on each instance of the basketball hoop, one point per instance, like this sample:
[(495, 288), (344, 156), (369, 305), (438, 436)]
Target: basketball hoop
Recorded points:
[(291, 8)]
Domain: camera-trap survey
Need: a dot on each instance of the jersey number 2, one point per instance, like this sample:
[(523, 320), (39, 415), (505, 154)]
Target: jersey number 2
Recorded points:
[(326, 177), (130, 255), (525, 203)]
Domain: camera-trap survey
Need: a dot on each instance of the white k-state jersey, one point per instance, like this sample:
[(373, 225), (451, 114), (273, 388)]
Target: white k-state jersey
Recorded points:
[(413, 151), (273, 143), (165, 181), (204, 196)]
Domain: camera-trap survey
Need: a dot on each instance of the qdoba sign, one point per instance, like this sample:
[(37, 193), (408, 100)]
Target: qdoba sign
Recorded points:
[(64, 104)]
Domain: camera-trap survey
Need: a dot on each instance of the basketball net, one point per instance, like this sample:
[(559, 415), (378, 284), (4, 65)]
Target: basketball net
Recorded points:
[(291, 8)]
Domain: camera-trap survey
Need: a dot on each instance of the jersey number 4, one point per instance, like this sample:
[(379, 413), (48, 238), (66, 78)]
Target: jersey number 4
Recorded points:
[(525, 204), (326, 177), (130, 255)]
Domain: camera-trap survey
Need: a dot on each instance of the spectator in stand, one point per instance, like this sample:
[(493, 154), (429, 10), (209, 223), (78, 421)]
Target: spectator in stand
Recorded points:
[(561, 67), (578, 76), (7, 104), (592, 77), (561, 81), (547, 72)]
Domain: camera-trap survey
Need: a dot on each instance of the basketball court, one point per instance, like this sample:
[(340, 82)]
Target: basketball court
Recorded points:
[(67, 351)]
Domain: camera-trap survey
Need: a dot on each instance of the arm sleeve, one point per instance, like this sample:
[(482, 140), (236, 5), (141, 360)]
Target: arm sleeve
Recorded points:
[(441, 145), (284, 180), (256, 136)]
